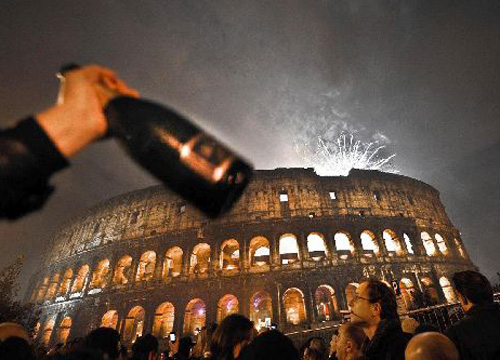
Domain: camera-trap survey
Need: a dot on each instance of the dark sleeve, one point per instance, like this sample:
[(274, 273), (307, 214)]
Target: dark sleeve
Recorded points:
[(27, 160)]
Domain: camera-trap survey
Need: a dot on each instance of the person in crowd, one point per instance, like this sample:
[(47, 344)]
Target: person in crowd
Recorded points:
[(145, 348), (422, 328), (374, 308), (409, 325), (349, 343), (41, 145), (8, 329), (332, 355), (105, 340), (431, 346), (477, 336), (202, 348), (182, 350), (270, 345), (315, 349), (16, 348), (231, 336)]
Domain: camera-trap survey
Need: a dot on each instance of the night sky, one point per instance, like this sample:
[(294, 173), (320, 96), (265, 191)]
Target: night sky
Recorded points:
[(422, 77)]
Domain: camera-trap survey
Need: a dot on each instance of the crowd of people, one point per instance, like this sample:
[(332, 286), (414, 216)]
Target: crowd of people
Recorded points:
[(374, 332)]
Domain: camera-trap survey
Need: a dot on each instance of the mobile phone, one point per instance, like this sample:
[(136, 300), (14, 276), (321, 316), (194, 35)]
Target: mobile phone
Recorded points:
[(172, 337)]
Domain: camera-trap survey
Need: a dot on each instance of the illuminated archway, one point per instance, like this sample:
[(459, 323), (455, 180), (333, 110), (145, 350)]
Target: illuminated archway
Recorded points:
[(195, 316), (123, 270), (460, 248), (227, 305), (289, 250), (164, 320), (259, 251), (429, 247), (392, 243), (293, 302), (369, 242), (63, 331), (430, 294), (441, 243), (66, 282), (172, 265), (448, 291), (51, 291), (134, 324), (99, 278), (261, 310), (47, 332), (80, 279), (146, 266), (42, 289), (343, 244), (200, 259), (316, 246), (230, 255), (407, 293), (326, 303), (110, 319), (408, 244)]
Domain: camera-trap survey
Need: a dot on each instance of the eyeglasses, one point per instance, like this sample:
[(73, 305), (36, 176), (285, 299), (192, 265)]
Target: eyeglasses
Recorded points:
[(356, 297)]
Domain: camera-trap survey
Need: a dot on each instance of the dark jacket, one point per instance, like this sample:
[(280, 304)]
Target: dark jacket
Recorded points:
[(477, 336), (388, 343), (27, 160)]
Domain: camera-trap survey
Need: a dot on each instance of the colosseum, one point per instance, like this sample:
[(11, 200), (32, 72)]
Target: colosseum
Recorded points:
[(290, 252)]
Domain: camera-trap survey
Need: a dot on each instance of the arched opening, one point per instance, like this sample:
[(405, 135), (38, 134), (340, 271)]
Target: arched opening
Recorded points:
[(146, 267), (369, 242), (441, 243), (293, 302), (392, 243), (63, 331), (164, 320), (429, 247), (66, 282), (51, 292), (289, 250), (230, 255), (227, 305), (407, 293), (460, 248), (326, 303), (36, 330), (448, 291), (259, 251), (123, 270), (134, 324), (350, 292), (261, 310), (47, 332), (81, 279), (42, 289), (430, 294), (408, 244), (99, 278), (195, 316), (200, 259), (110, 319), (172, 265), (316, 246), (343, 244)]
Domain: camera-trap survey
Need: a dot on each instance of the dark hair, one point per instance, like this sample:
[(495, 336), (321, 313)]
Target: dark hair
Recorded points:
[(422, 328), (354, 333), (233, 330), (143, 346), (105, 340), (379, 292), (473, 286), (270, 345), (185, 345), (316, 348), (16, 348)]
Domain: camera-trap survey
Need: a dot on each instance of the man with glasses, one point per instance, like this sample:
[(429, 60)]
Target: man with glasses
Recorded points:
[(374, 309)]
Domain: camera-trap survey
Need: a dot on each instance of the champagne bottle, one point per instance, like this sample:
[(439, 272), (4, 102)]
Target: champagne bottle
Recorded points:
[(189, 161)]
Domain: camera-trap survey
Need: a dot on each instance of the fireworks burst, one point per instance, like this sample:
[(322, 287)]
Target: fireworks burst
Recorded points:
[(338, 157)]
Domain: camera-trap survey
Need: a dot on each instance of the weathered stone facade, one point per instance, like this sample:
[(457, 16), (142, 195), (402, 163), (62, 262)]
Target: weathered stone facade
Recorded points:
[(286, 253)]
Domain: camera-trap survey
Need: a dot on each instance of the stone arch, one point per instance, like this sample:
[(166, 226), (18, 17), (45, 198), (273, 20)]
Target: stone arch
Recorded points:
[(47, 332), (429, 247), (134, 324), (407, 293), (164, 320), (261, 309), (448, 291), (81, 279), (441, 244), (409, 245), (110, 319), (123, 270), (146, 266), (343, 244), (230, 255), (172, 265), (259, 251), (66, 282), (460, 248), (316, 246), (200, 259), (195, 316), (294, 305), (36, 330), (350, 292), (51, 291), (431, 296), (99, 277), (63, 330), (392, 243), (227, 305), (42, 289), (288, 249), (326, 303), (369, 242)]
